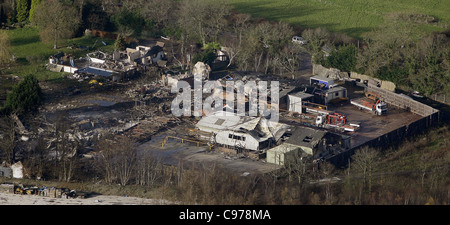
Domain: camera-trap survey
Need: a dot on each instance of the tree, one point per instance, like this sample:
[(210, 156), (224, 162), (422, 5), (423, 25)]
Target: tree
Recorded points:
[(429, 64), (56, 21), (384, 47), (66, 148), (316, 39), (327, 169), (365, 160), (34, 4), (9, 140), (2, 15), (148, 170), (202, 20), (128, 22), (343, 59), (117, 159), (94, 17), (296, 169), (262, 43), (5, 52), (158, 11), (24, 97), (288, 60), (208, 55), (233, 43), (22, 10), (37, 158)]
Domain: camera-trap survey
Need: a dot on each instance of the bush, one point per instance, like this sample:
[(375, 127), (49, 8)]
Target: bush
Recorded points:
[(206, 56), (394, 73)]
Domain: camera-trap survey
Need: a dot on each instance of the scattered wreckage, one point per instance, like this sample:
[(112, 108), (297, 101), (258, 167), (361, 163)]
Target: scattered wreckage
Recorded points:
[(116, 66), (52, 192)]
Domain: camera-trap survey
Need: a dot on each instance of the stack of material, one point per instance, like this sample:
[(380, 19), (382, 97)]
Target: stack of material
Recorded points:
[(51, 192), (7, 188)]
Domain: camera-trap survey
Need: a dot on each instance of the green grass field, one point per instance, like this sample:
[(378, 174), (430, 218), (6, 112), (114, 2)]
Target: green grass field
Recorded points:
[(352, 17)]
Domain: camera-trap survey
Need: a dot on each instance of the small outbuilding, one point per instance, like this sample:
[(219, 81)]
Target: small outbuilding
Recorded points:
[(283, 154), (294, 101), (5, 172), (337, 92)]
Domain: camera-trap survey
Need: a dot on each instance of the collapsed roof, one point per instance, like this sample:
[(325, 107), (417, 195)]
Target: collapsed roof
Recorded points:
[(258, 127)]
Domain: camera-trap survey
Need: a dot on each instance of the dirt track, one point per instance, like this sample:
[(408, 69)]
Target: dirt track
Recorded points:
[(14, 199)]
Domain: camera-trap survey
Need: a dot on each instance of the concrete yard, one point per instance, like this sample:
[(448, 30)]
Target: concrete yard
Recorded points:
[(175, 152), (373, 126)]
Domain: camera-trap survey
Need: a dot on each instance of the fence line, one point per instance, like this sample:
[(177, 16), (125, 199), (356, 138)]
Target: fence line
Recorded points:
[(403, 101)]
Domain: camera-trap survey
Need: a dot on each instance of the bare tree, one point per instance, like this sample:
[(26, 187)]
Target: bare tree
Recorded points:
[(126, 161), (316, 38), (66, 148), (366, 160), (117, 159), (288, 60), (56, 21), (296, 168), (105, 159), (37, 158), (326, 169), (158, 11), (262, 43), (232, 43), (202, 20), (8, 139)]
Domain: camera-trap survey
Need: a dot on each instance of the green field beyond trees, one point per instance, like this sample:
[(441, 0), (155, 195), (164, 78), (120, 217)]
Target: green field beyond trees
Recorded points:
[(352, 17)]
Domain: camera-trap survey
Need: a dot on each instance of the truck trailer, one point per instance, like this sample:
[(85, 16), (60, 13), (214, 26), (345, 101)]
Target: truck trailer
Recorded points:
[(335, 120), (376, 106)]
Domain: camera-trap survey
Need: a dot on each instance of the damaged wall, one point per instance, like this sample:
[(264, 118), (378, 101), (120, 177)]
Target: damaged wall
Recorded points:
[(337, 74)]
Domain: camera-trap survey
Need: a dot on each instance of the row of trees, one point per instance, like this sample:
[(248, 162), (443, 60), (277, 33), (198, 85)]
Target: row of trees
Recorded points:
[(18, 10)]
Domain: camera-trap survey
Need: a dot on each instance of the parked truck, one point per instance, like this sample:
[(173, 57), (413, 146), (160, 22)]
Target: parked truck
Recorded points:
[(335, 120), (375, 105)]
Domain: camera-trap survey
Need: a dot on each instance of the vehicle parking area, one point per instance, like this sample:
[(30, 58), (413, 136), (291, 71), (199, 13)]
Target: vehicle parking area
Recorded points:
[(371, 125)]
